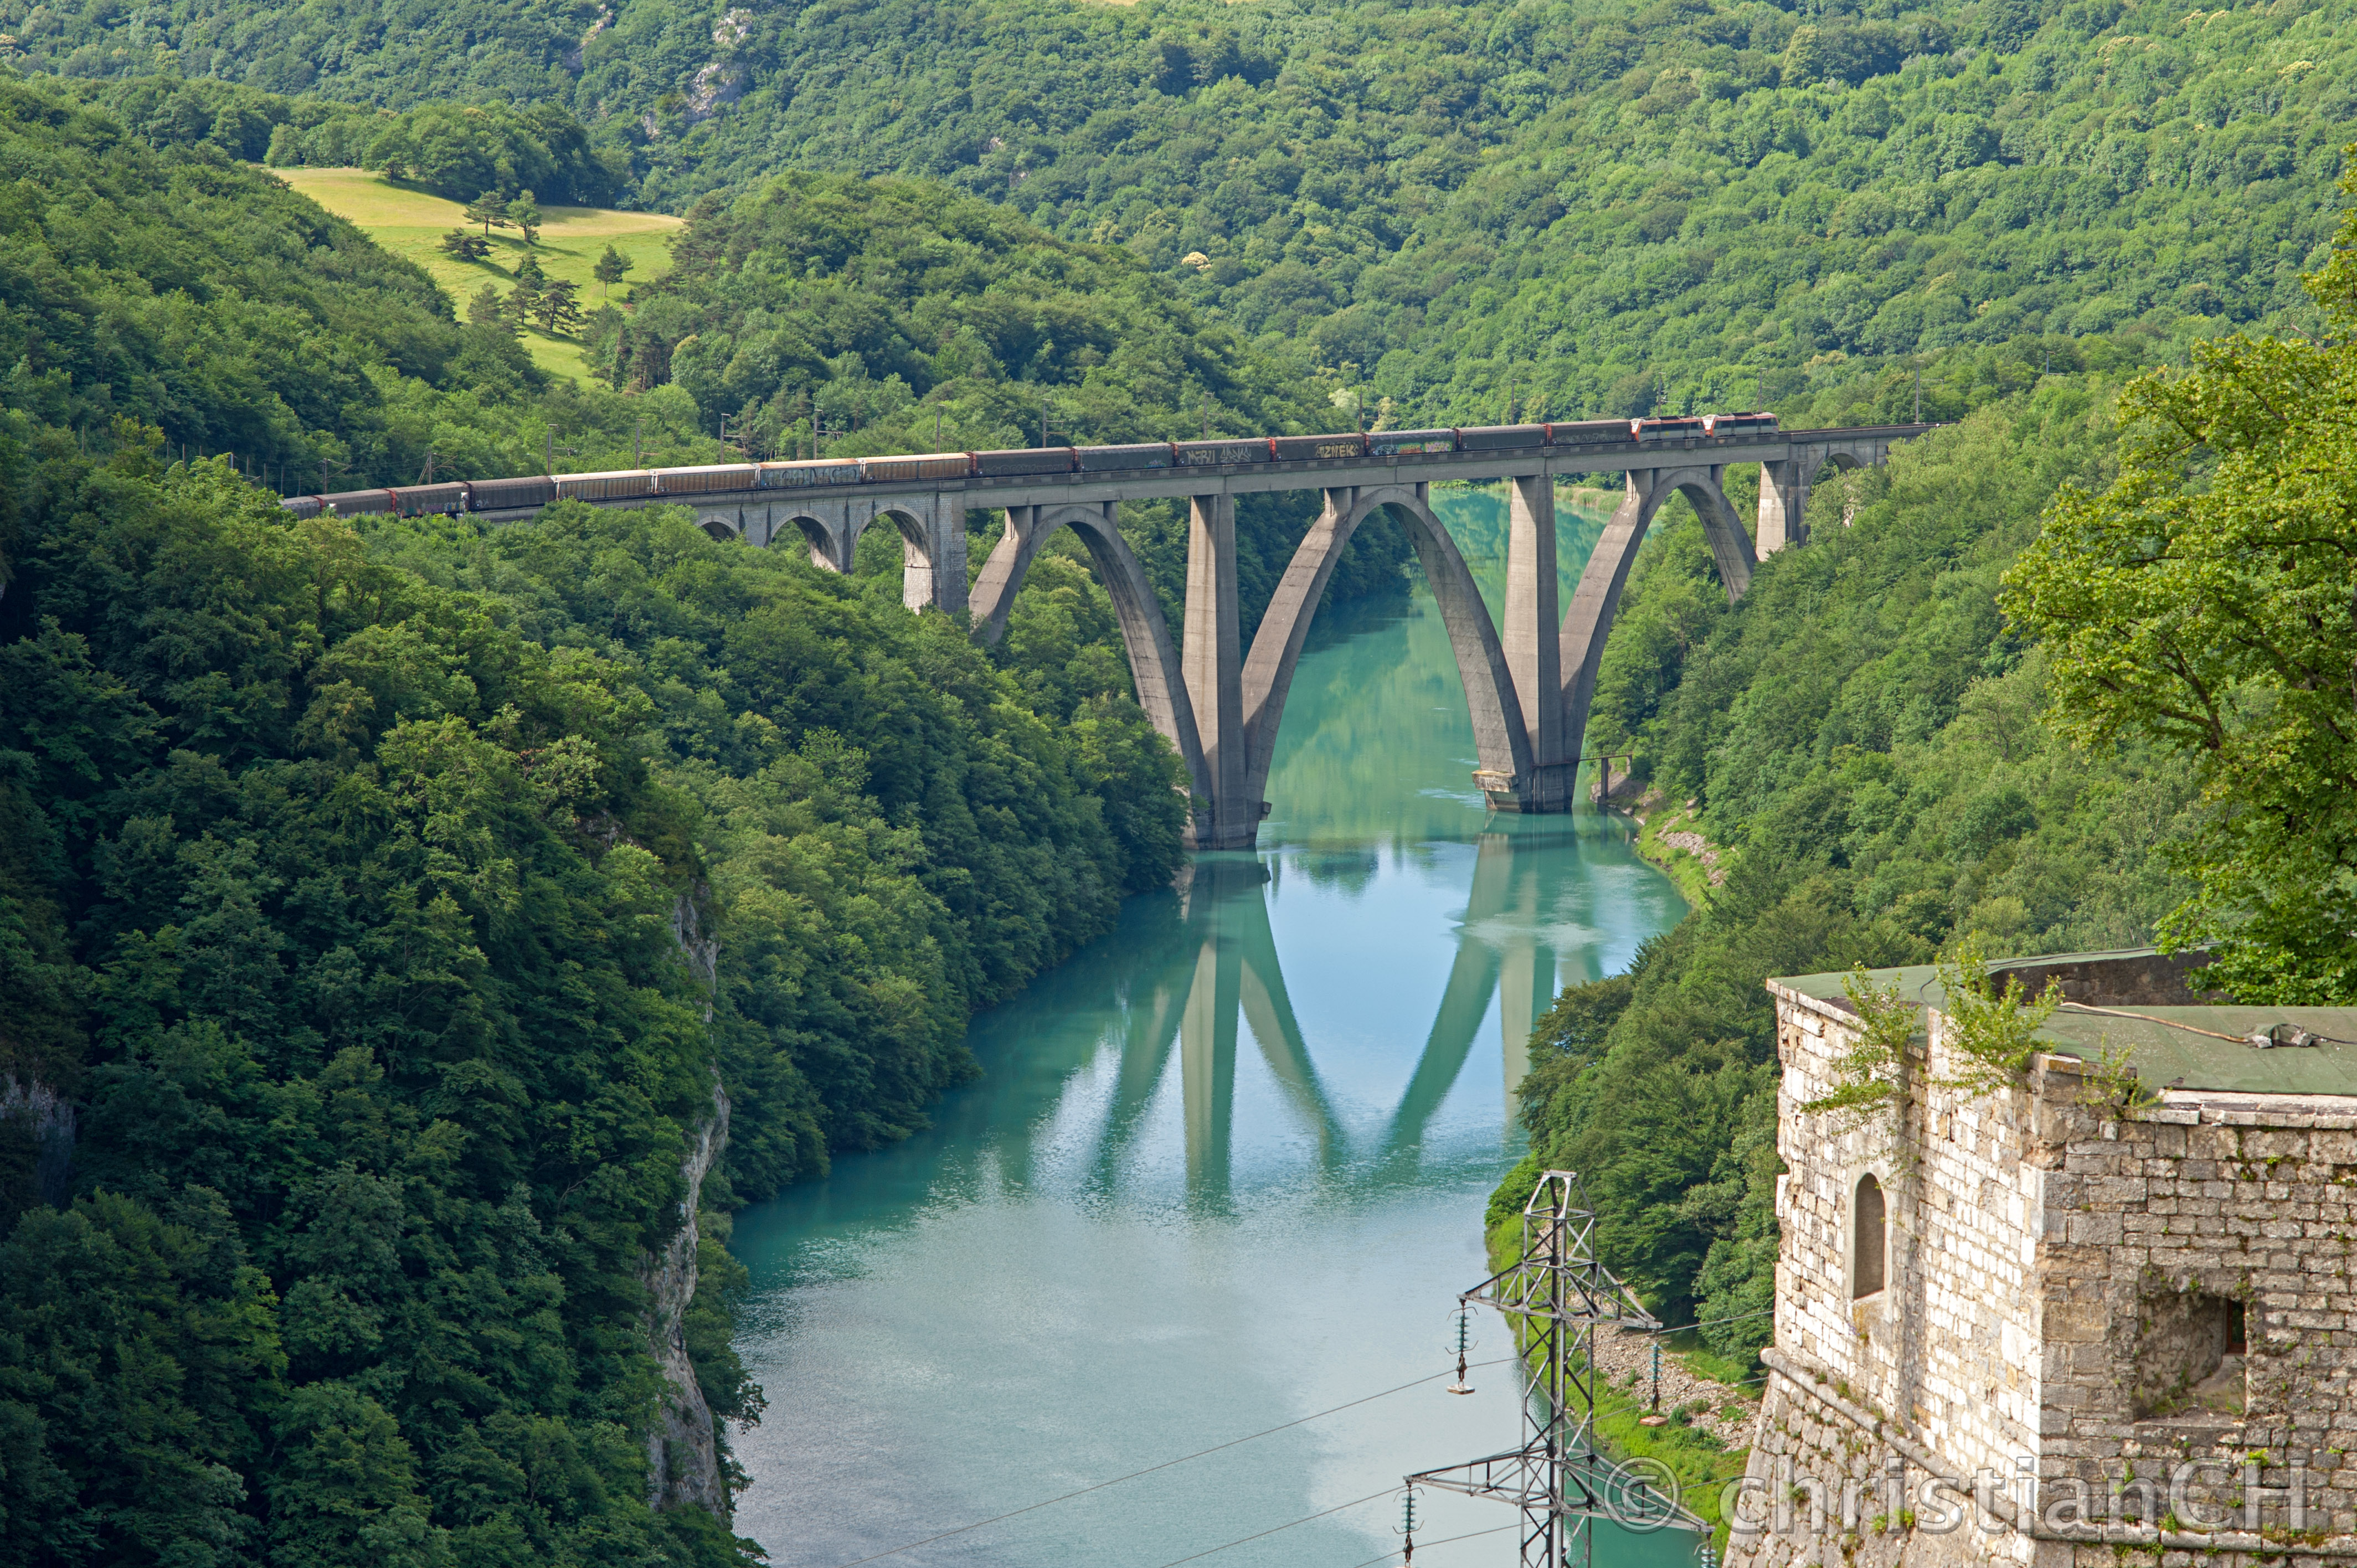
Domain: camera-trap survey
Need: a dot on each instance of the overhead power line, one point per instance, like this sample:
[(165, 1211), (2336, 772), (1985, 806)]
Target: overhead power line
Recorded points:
[(1166, 1464), (1428, 1545), (1274, 1528)]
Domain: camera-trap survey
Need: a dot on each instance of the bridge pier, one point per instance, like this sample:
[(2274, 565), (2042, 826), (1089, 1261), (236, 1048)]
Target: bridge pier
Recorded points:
[(1534, 655), (1783, 504), (1212, 658)]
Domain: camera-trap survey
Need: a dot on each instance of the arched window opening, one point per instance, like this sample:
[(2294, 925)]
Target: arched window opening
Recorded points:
[(1866, 1239)]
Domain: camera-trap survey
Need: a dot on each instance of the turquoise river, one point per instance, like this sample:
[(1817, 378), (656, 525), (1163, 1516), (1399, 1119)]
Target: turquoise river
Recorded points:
[(1225, 1168)]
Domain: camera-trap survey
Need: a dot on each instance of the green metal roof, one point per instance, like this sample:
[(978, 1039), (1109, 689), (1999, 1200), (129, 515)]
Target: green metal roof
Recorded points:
[(2164, 1058)]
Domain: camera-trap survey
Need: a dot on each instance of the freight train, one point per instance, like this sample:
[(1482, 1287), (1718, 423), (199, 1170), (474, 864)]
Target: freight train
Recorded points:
[(627, 484)]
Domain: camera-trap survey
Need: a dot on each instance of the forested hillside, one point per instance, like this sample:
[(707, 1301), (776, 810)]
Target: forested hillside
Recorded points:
[(239, 318), (384, 915), (1580, 207), (897, 316), (1866, 737)]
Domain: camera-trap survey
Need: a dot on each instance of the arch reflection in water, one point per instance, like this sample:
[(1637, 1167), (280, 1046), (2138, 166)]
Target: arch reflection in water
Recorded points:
[(1212, 978)]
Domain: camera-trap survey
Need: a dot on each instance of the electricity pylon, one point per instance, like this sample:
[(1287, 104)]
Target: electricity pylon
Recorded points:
[(1554, 1297)]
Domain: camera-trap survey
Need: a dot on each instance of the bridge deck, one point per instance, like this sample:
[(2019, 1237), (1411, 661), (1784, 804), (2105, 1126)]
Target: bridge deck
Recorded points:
[(1335, 473)]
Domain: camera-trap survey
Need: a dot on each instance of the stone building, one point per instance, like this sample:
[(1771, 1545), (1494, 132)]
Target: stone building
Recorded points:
[(2033, 1325)]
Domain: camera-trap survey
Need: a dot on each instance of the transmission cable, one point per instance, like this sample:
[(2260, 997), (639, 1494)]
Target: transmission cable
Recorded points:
[(1166, 1464), (1274, 1528), (1443, 1540)]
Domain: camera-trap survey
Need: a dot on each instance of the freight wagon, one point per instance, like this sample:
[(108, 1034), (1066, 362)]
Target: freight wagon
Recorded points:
[(531, 490)]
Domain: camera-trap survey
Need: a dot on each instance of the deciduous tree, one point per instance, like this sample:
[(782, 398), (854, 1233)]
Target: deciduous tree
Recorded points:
[(524, 213), (2207, 600)]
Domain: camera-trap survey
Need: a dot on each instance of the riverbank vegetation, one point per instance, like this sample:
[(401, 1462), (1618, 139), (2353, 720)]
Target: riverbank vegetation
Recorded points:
[(362, 892), (1893, 755)]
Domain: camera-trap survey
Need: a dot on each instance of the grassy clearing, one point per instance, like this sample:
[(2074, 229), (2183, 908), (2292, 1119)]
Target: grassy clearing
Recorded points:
[(411, 223)]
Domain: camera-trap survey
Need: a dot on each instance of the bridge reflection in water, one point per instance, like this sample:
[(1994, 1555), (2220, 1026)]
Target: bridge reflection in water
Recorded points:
[(1210, 981)]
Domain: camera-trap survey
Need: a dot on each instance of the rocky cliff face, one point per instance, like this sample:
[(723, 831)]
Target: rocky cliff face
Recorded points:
[(683, 1455)]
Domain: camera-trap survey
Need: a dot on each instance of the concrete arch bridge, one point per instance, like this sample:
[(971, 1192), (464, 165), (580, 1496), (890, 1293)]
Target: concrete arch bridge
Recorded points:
[(1529, 683)]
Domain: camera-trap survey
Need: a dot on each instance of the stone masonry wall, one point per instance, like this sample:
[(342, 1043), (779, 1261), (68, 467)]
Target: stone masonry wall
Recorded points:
[(2247, 1198), (2044, 1255)]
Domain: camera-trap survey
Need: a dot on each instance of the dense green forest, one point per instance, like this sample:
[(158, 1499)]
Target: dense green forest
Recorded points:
[(240, 318), (896, 316), (1579, 207), (354, 889), (1865, 735), (381, 911)]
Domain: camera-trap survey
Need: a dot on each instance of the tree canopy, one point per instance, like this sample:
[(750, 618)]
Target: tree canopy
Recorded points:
[(2204, 602)]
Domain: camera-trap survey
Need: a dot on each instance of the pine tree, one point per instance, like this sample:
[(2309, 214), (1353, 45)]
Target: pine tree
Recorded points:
[(489, 212), (486, 309), (610, 268), (466, 246), (529, 283), (556, 307)]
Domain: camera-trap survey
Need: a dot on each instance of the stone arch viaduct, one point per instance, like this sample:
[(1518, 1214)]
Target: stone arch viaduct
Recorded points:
[(1529, 683)]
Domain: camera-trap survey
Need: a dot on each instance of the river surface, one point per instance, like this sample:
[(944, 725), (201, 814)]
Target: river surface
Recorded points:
[(1225, 1169)]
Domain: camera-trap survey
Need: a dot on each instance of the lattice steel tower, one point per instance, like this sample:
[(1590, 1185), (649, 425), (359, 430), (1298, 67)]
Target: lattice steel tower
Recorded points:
[(1554, 1298)]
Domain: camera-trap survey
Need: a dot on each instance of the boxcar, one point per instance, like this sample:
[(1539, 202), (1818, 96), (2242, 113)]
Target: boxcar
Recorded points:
[(927, 465), (301, 506), (612, 484), (509, 495), (1222, 454), (1666, 429), (1025, 460), (1726, 425), (1396, 443), (1500, 437), (1588, 433), (1114, 459), (429, 500), (1315, 449), (357, 503), (704, 478), (806, 473)]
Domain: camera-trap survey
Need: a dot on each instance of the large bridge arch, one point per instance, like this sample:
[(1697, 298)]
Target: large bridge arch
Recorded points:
[(1145, 634), (1499, 736), (1597, 600)]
